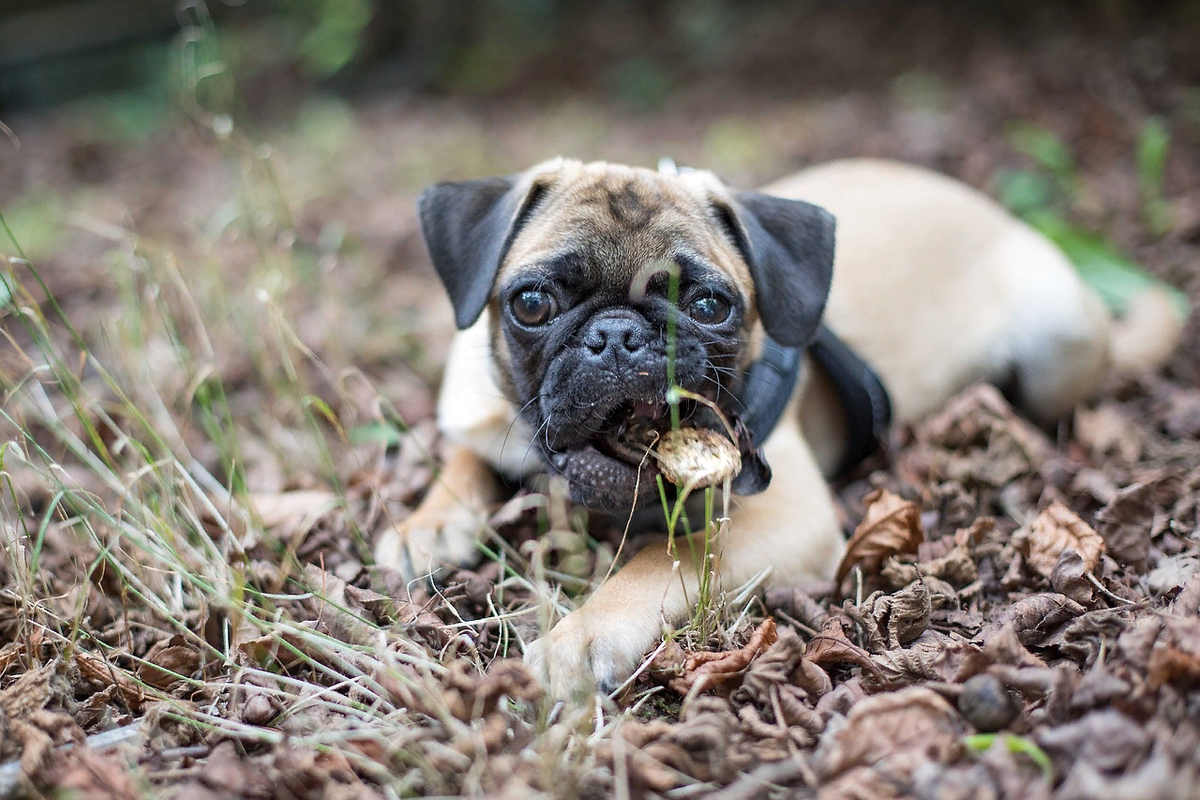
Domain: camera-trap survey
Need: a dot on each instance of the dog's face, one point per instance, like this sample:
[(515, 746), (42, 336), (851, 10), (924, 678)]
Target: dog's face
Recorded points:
[(578, 265)]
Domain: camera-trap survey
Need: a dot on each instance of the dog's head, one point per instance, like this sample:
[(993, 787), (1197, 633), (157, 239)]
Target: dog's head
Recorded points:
[(577, 265)]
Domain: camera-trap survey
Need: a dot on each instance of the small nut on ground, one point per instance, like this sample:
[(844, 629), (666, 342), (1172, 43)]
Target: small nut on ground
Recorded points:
[(987, 704), (697, 457)]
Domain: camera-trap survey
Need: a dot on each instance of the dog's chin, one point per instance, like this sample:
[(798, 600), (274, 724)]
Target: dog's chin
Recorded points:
[(604, 482)]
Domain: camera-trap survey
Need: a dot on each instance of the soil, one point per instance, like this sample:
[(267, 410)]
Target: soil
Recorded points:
[(237, 398)]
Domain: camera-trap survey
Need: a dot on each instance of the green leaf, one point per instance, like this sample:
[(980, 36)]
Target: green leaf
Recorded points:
[(382, 432), (1153, 144), (1024, 191), (1017, 745), (1111, 274), (1044, 147)]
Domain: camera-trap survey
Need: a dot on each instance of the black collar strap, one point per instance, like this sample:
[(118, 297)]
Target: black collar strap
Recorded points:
[(865, 403), (768, 387)]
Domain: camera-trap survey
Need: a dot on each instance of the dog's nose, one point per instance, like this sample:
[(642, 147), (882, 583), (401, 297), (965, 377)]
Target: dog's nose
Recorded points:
[(614, 337)]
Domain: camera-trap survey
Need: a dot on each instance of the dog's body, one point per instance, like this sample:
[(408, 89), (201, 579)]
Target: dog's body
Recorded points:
[(935, 286)]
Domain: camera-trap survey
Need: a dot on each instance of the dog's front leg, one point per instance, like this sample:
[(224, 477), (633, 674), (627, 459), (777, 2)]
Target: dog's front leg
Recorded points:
[(444, 529), (791, 528)]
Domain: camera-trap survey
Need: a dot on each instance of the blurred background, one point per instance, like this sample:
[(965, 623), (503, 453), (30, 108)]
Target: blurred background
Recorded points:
[(278, 145)]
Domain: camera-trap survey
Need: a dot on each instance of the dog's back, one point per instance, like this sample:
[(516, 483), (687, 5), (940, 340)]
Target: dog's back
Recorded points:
[(938, 286)]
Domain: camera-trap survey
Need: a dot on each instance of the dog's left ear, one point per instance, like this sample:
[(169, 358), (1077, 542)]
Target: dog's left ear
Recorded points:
[(468, 227), (788, 245)]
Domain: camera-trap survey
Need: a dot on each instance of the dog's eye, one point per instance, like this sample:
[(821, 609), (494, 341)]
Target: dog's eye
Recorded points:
[(533, 307), (709, 310)]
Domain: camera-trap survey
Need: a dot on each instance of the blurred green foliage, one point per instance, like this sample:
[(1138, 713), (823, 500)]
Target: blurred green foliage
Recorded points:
[(1153, 143), (335, 35), (1046, 196)]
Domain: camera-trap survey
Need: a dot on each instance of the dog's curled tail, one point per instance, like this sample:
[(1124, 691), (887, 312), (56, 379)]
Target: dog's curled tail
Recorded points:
[(1145, 336)]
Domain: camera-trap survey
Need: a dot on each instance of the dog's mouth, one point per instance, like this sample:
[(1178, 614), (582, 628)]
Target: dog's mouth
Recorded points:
[(616, 468), (634, 427)]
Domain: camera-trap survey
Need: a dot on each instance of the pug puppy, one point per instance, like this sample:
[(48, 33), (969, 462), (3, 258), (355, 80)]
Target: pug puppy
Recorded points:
[(565, 279)]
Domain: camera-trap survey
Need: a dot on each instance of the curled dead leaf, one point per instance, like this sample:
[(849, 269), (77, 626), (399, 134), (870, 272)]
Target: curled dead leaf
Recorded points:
[(832, 646), (687, 671), (169, 661), (891, 525), (1054, 530)]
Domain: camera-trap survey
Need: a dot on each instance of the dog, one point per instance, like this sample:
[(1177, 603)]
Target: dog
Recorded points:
[(562, 280)]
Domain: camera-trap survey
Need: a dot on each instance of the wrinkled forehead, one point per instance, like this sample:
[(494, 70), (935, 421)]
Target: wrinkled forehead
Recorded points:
[(613, 223)]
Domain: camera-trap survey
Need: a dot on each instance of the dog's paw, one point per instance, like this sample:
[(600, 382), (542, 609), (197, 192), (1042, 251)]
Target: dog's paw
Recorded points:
[(591, 650), (429, 540)]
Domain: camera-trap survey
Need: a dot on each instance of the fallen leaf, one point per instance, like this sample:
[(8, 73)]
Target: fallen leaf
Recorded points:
[(1106, 739), (291, 516), (97, 669), (1033, 617), (903, 616), (892, 733), (1125, 523), (831, 646), (89, 775), (1176, 655), (167, 660), (891, 525), (1054, 530), (1069, 577), (933, 657), (688, 671), (978, 439)]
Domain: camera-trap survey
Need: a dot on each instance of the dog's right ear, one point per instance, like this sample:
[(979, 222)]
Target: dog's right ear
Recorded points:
[(468, 227)]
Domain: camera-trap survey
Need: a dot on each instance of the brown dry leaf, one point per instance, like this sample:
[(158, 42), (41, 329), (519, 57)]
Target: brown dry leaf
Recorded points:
[(1054, 530), (978, 438), (783, 664), (832, 646), (470, 695), (227, 772), (891, 525), (902, 616), (661, 756), (1034, 617), (687, 671), (1107, 739), (168, 659), (336, 610), (1176, 655), (1126, 522), (933, 657), (891, 734), (96, 668), (89, 775)]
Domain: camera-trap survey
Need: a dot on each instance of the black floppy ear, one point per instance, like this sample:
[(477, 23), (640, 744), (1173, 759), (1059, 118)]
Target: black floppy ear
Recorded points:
[(788, 245), (468, 227)]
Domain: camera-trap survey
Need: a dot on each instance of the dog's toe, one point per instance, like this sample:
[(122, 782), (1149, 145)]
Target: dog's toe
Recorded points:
[(429, 541), (590, 651)]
